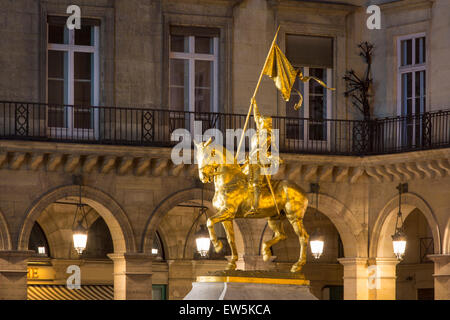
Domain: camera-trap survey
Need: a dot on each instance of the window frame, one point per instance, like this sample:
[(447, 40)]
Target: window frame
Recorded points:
[(415, 123), (307, 142), (191, 56), (70, 48), (413, 68)]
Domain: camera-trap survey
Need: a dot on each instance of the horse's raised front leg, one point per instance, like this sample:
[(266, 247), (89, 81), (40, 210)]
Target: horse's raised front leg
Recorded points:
[(229, 230), (221, 216), (277, 227)]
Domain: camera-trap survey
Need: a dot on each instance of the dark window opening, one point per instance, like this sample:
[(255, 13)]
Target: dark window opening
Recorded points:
[(38, 239), (99, 242)]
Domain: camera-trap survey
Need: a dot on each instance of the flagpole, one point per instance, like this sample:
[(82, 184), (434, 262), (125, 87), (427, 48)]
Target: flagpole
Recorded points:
[(254, 94)]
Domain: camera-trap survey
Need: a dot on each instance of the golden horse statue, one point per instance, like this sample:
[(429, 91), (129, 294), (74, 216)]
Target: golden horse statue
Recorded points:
[(233, 199)]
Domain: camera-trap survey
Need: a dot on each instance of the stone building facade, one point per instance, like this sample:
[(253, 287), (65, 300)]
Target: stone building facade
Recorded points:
[(149, 66)]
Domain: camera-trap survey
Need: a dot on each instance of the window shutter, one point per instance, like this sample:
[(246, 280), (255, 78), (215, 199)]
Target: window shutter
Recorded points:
[(194, 31), (62, 20), (308, 51)]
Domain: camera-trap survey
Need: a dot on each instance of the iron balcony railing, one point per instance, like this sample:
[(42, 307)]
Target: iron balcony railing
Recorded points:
[(150, 127)]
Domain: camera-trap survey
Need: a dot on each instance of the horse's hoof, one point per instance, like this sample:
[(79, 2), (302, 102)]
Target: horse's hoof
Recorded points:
[(266, 253), (218, 246), (266, 256), (231, 266), (296, 268)]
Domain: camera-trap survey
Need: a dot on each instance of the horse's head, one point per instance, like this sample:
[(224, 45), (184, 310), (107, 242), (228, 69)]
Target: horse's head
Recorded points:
[(206, 160)]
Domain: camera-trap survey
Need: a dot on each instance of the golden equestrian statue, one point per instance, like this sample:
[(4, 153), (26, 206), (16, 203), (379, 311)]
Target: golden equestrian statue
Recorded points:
[(233, 199), (248, 191)]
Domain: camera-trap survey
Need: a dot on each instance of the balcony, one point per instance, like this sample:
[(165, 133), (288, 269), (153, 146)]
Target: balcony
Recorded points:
[(152, 127)]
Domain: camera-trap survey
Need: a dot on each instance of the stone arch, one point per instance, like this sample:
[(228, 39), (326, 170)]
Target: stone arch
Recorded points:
[(349, 229), (380, 239), (5, 236), (170, 202), (163, 238), (114, 216), (446, 240)]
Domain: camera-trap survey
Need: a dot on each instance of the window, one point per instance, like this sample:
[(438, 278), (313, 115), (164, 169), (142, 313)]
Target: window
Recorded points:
[(38, 239), (340, 247), (425, 294), (159, 292), (72, 73), (426, 248), (193, 79), (317, 61), (412, 86), (333, 293), (158, 249), (99, 241)]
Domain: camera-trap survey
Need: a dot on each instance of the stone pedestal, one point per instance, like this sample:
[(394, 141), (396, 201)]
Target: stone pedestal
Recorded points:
[(256, 285), (441, 276), (132, 276), (13, 274), (355, 278)]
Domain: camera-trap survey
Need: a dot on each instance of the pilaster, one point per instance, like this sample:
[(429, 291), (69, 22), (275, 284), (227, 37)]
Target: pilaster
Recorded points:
[(132, 276)]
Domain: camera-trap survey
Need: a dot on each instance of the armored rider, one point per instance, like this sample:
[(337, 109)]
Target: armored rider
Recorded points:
[(259, 148)]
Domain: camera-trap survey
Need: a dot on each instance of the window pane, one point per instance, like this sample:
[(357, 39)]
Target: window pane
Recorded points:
[(406, 52), (82, 67), (179, 44), (57, 34), (82, 118), (82, 93), (417, 89), (56, 64), (57, 87), (203, 86), (406, 86), (179, 69), (82, 97), (204, 45), (83, 36), (56, 113), (314, 87), (420, 91), (316, 110), (203, 74), (179, 85), (56, 92), (317, 105), (420, 50), (57, 77)]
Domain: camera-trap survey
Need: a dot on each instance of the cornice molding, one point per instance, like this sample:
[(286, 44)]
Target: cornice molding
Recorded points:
[(393, 6), (156, 161), (335, 8)]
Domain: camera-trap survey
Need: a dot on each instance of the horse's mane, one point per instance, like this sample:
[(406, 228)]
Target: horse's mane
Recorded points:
[(222, 152)]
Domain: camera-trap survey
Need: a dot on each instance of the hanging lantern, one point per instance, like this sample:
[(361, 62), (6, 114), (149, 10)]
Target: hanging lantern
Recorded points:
[(80, 232), (399, 238), (399, 244), (316, 241), (202, 241), (80, 238)]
